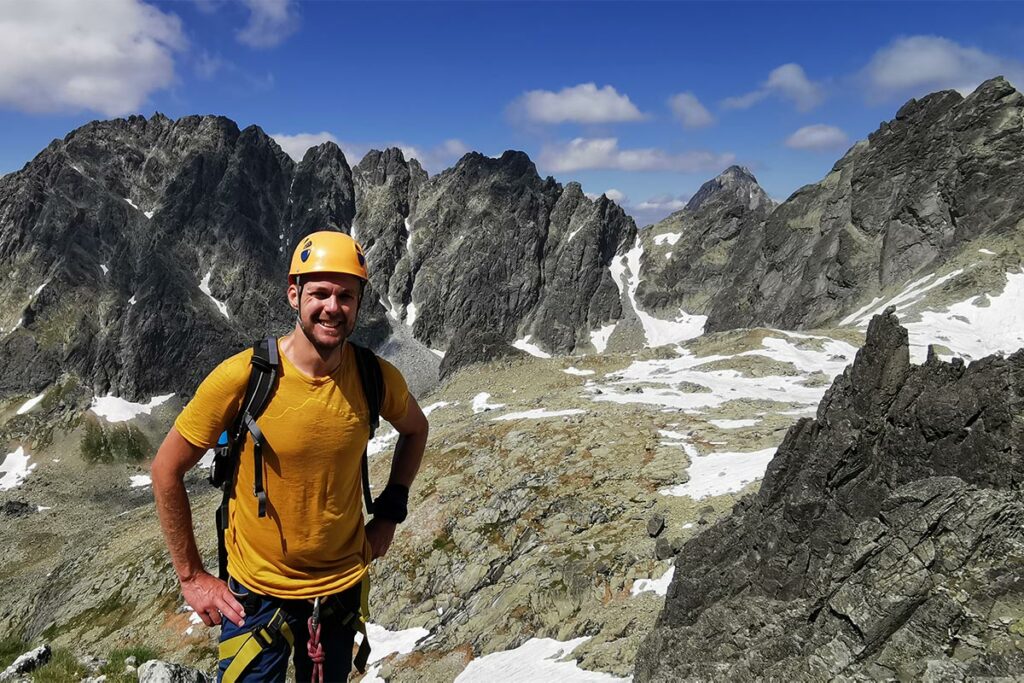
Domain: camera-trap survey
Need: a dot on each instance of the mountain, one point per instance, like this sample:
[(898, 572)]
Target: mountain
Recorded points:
[(689, 256), (140, 252), (946, 171), (884, 542)]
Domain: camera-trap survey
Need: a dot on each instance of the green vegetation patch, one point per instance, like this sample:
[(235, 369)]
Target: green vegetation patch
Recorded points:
[(114, 444), (114, 668), (62, 667), (10, 649)]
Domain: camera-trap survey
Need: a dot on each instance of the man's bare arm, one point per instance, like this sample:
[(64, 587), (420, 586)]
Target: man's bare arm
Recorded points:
[(207, 595), (412, 440)]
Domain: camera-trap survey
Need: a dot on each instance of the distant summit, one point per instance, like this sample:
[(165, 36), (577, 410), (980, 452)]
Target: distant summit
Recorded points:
[(736, 183)]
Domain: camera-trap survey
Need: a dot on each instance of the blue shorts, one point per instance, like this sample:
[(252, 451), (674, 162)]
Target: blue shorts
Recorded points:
[(271, 664)]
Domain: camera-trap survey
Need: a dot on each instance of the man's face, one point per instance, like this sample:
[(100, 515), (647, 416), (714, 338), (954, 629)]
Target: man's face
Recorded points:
[(327, 311)]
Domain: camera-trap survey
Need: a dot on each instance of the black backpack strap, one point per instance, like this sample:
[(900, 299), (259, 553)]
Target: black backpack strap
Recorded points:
[(372, 380), (262, 379)]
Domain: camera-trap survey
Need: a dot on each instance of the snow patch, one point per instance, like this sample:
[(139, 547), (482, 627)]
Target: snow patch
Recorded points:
[(532, 349), (410, 314), (539, 413), (103, 267), (733, 424), (480, 403), (114, 409), (912, 294), (434, 406), (37, 290), (15, 469), (658, 332), (577, 371), (986, 251), (204, 287), (439, 354), (599, 337), (140, 480), (30, 404), (538, 659), (148, 214), (720, 473), (386, 643), (658, 586), (132, 302), (381, 442), (132, 204), (970, 330), (670, 237)]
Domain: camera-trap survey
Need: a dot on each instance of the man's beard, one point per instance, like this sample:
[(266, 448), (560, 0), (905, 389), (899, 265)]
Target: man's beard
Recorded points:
[(324, 348)]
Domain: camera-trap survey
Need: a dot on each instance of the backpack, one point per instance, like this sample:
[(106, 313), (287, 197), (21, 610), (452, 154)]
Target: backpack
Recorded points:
[(262, 382)]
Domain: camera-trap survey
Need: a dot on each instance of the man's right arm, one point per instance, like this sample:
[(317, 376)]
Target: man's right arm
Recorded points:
[(205, 593)]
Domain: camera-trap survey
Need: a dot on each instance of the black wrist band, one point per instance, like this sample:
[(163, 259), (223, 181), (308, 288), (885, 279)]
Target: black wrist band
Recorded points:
[(392, 503)]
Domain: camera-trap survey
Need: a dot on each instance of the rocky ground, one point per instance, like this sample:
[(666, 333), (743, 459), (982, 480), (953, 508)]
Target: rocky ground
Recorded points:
[(519, 528)]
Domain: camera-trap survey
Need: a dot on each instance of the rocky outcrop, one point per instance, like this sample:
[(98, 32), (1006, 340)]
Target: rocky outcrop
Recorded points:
[(689, 257), (512, 254), (26, 663), (885, 541), (141, 252), (945, 171)]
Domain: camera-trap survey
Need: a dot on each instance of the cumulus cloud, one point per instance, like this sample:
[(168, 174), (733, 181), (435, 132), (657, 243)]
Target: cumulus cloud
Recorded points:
[(604, 153), (270, 23), (584, 103), (817, 137), (616, 196), (689, 110), (663, 202), (916, 65), (102, 55), (296, 145), (433, 158), (788, 82)]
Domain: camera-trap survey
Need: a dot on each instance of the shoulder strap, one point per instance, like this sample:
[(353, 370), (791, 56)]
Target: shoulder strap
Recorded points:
[(372, 380), (262, 379)]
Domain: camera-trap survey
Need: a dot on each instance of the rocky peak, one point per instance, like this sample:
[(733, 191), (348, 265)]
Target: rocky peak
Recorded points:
[(882, 536), (735, 184)]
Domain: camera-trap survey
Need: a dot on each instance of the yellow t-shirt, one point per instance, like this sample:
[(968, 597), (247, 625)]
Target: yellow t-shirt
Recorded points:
[(312, 542)]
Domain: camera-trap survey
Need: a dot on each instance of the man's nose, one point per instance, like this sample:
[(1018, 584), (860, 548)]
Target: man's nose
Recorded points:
[(332, 304)]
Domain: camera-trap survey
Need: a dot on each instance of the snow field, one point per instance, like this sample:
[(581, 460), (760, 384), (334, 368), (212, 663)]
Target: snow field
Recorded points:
[(532, 349), (114, 409), (30, 404), (204, 287), (716, 474), (15, 469), (480, 403), (658, 586), (538, 659)]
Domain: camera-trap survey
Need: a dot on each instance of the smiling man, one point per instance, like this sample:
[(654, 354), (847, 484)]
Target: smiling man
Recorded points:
[(303, 542)]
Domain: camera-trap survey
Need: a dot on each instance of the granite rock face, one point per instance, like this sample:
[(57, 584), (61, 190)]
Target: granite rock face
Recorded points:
[(885, 542), (496, 249), (690, 256), (141, 252), (945, 171)]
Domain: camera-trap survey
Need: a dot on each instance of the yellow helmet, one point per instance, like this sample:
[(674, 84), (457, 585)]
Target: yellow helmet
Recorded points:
[(328, 252)]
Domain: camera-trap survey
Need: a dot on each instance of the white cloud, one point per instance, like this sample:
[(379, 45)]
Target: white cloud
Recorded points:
[(102, 55), (295, 146), (433, 158), (616, 196), (584, 103), (207, 65), (271, 22), (663, 202), (788, 82), (817, 137), (917, 65), (690, 112), (604, 153)]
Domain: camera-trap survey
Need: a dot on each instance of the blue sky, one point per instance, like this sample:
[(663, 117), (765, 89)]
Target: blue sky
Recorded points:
[(647, 99)]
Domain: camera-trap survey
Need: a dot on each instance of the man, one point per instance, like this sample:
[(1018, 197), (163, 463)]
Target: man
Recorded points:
[(310, 542)]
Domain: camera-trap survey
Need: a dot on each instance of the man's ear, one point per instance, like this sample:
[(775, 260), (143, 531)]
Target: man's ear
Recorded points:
[(293, 296)]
